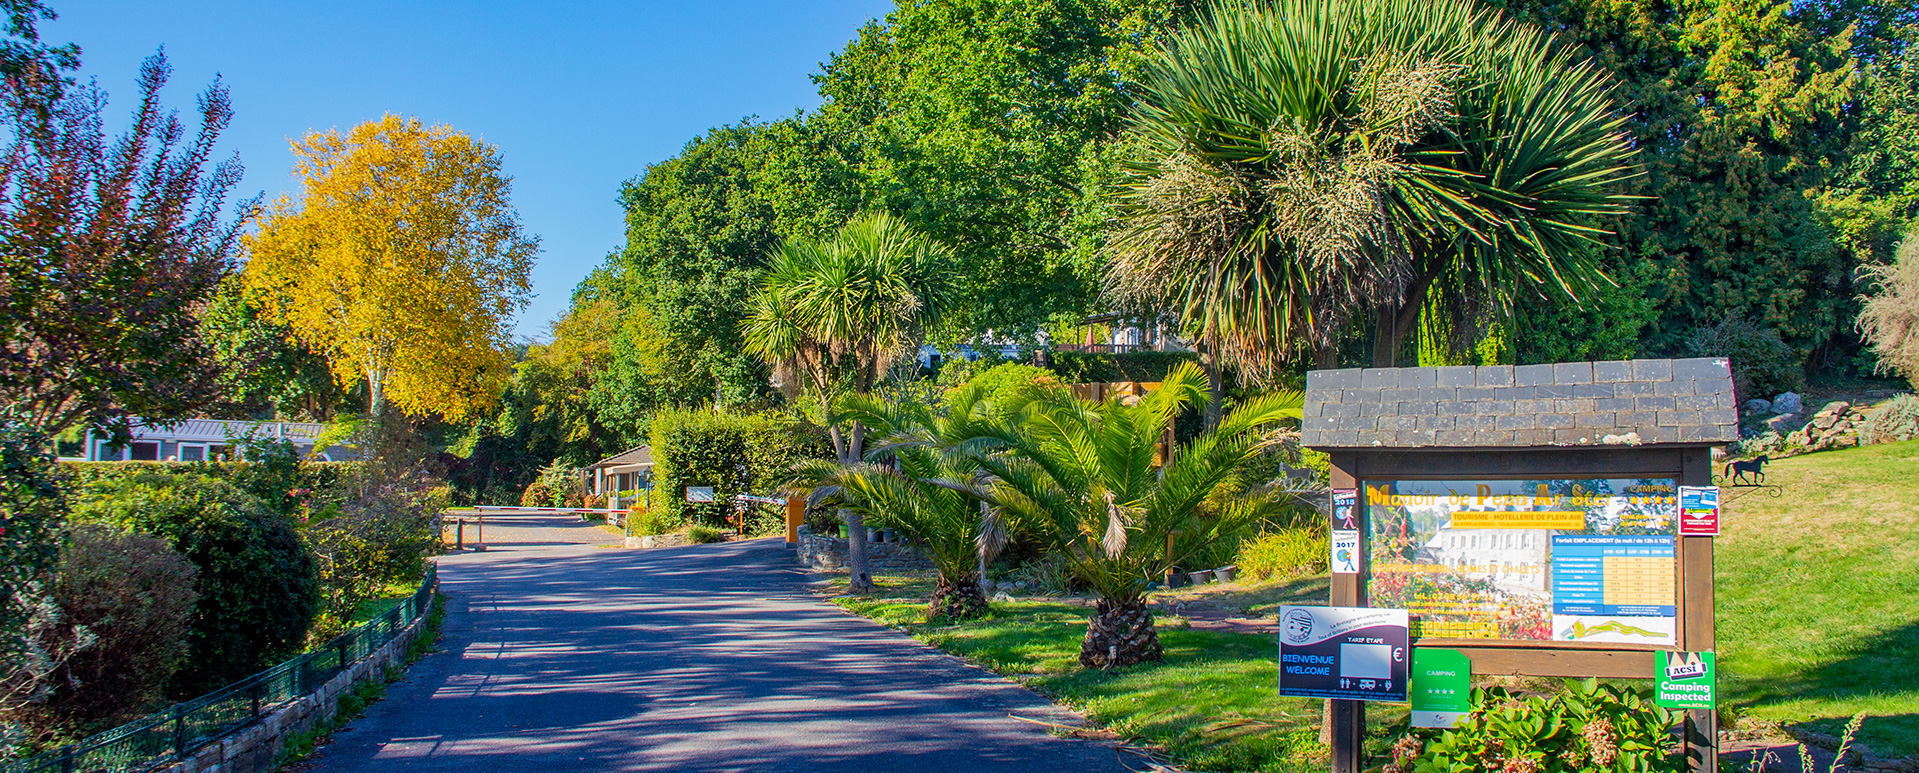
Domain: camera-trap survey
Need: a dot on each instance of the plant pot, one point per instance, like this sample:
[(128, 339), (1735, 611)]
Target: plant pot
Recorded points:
[(872, 535), (1176, 580), (889, 535), (1226, 573), (1202, 577)]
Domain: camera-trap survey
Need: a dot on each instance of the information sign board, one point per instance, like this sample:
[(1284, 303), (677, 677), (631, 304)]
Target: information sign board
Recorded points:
[(699, 493), (1686, 680), (1442, 687), (1586, 560), (1344, 653), (1699, 511)]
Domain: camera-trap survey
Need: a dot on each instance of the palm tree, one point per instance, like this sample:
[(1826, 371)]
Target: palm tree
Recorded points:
[(1086, 477), (831, 316), (1304, 161), (916, 483)]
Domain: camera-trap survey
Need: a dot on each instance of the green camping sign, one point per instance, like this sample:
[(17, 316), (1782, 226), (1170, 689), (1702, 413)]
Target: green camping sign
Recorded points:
[(1685, 680)]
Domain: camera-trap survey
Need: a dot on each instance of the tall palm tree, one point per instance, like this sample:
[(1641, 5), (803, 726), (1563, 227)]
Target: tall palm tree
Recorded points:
[(1087, 477), (1302, 162), (831, 316), (916, 482)]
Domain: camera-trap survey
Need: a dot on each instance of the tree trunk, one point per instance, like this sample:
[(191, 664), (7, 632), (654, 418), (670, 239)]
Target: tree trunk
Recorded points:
[(1385, 335), (1326, 357), (1120, 634), (859, 568), (1214, 389), (957, 598)]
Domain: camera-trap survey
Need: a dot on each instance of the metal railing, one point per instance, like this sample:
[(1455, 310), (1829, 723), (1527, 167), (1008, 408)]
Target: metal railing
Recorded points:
[(176, 733)]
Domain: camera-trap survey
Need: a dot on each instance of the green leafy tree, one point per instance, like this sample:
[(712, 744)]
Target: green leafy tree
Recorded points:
[(1303, 162), (832, 316), (1743, 112), (981, 123), (1084, 476), (699, 228), (266, 373)]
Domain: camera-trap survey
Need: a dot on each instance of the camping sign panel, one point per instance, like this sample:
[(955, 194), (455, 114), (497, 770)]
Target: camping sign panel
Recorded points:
[(1580, 560), (1347, 653)]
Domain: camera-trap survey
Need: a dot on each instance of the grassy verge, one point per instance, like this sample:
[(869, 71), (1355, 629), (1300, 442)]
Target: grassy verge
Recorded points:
[(363, 694), (1818, 597), (1211, 705)]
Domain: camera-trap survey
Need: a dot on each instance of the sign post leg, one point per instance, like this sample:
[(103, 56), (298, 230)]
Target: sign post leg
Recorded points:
[(1349, 735), (1702, 741)]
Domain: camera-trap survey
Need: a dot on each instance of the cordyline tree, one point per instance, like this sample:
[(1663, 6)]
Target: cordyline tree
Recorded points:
[(402, 263), (1302, 163), (107, 251), (833, 316)]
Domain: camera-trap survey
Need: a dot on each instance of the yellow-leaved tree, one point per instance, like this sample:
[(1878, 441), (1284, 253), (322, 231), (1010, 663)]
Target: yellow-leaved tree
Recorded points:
[(402, 261)]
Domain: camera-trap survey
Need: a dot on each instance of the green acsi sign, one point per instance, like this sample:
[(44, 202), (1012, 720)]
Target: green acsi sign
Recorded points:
[(1685, 680), (1442, 687)]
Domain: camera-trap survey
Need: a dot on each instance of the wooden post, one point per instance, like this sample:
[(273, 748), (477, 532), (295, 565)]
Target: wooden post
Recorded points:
[(795, 515), (1345, 729), (1701, 731)]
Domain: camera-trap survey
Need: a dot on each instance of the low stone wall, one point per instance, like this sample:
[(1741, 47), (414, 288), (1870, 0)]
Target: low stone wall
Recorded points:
[(828, 554), (254, 748)]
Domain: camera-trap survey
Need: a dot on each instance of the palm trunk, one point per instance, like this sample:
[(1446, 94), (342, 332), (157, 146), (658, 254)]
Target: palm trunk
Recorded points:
[(957, 598), (1385, 335), (1209, 358), (1120, 634), (859, 567)]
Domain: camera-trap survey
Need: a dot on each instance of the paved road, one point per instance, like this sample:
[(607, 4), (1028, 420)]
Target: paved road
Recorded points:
[(562, 653)]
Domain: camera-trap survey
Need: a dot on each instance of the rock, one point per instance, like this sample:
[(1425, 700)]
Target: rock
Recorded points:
[(1785, 423), (1835, 408), (1788, 402), (1759, 406)]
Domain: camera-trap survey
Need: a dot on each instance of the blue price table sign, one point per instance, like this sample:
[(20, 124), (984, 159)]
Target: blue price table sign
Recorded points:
[(1344, 653)]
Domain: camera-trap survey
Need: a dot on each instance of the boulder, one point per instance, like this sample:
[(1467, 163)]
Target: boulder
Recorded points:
[(1785, 423), (1758, 407), (1788, 403)]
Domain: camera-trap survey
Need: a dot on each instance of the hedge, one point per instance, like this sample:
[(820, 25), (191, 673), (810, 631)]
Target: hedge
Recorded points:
[(1089, 368), (735, 453)]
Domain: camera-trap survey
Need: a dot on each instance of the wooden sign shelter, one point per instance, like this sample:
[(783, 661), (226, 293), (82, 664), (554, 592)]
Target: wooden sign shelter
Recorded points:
[(1526, 515)]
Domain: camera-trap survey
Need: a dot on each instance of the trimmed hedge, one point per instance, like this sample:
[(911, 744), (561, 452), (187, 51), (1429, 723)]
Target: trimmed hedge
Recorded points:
[(306, 478), (1088, 368), (735, 453)]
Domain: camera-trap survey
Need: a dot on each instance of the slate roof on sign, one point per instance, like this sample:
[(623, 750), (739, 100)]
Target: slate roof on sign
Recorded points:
[(1633, 402)]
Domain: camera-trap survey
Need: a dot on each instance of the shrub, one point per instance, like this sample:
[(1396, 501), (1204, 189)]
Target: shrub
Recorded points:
[(701, 535), (1012, 382), (1762, 364), (537, 494), (256, 582), (1895, 419), (1284, 553), (130, 598), (1589, 727), (361, 549), (1890, 317)]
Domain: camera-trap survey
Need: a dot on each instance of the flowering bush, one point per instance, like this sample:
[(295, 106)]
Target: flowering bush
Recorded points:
[(1588, 727)]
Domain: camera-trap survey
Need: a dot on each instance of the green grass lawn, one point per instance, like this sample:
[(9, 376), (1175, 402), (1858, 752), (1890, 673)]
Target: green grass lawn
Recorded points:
[(1818, 596), (1211, 705)]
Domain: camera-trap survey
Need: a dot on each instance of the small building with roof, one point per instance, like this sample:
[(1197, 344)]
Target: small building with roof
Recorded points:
[(621, 477)]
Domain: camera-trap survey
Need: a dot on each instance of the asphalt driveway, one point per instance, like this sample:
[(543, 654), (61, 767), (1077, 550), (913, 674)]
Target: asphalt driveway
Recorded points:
[(562, 653)]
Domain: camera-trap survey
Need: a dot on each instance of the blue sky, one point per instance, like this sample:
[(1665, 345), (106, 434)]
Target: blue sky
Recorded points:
[(578, 96)]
